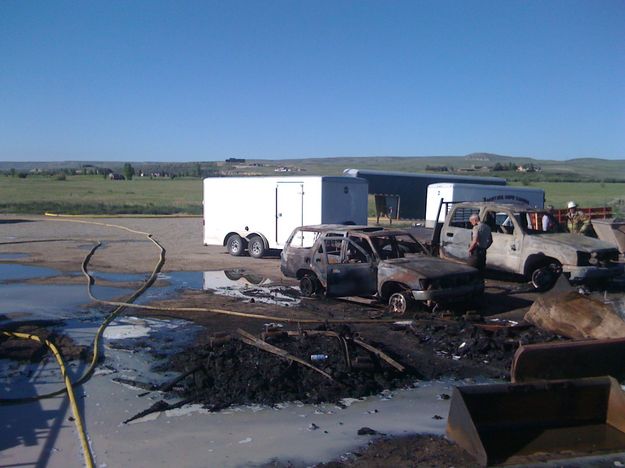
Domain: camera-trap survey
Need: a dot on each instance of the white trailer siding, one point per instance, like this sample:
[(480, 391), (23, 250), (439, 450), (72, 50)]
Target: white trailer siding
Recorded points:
[(451, 192), (343, 201), (272, 207)]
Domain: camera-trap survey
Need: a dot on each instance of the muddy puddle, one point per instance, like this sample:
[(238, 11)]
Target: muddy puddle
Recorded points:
[(133, 345)]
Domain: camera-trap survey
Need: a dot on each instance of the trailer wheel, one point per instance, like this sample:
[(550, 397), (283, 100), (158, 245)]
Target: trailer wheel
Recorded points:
[(399, 303), (235, 245), (256, 247), (309, 285)]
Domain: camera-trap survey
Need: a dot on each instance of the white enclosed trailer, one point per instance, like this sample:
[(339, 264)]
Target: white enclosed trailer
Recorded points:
[(259, 213), (451, 192)]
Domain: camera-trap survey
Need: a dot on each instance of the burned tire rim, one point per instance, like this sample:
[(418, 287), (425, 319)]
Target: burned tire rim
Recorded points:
[(398, 303), (235, 245), (308, 286), (256, 247), (545, 278)]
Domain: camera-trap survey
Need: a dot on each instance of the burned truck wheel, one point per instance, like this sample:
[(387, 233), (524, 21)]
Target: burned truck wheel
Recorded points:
[(545, 277), (235, 245), (309, 285), (256, 247), (399, 303)]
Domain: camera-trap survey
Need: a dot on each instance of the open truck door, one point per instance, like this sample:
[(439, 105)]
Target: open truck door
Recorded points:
[(455, 236)]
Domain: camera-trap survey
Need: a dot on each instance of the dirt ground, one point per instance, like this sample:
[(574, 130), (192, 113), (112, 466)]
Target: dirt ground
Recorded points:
[(434, 345)]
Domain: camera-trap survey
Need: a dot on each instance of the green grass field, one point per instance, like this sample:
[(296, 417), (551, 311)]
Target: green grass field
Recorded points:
[(586, 194), (96, 195)]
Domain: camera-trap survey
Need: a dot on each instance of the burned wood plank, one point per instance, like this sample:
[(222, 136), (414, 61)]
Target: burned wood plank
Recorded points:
[(250, 339), (380, 354), (158, 407), (167, 386)]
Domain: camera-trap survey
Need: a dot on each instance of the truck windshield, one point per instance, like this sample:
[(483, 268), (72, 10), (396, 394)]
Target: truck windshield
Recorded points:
[(301, 239), (529, 222), (396, 246)]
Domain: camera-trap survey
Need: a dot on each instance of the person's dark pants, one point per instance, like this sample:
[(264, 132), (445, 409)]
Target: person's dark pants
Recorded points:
[(477, 259)]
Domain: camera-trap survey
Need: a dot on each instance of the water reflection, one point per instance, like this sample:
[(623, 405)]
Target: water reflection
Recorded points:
[(18, 272), (249, 286), (232, 279)]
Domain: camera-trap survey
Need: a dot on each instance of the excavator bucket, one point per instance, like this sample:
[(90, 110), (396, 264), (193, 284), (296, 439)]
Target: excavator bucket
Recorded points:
[(527, 423), (569, 360)]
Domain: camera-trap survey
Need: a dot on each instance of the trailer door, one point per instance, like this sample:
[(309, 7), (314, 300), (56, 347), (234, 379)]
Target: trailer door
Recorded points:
[(289, 209)]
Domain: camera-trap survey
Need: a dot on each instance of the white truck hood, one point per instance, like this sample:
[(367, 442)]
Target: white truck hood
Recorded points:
[(574, 241)]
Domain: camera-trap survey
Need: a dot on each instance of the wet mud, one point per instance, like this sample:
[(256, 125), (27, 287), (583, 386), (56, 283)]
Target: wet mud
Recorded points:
[(24, 350), (409, 451)]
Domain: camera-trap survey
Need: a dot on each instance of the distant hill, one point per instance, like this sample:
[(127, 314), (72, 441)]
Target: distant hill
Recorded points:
[(480, 162)]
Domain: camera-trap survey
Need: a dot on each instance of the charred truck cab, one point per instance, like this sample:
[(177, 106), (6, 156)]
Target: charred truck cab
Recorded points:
[(390, 265)]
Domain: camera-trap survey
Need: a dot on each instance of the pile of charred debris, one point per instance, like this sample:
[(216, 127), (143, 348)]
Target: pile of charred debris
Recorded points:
[(323, 365)]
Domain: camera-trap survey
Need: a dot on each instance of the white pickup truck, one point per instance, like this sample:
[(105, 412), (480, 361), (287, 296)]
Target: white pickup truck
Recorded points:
[(521, 247)]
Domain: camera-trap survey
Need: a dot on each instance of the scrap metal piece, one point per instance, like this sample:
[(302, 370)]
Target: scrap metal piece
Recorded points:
[(569, 360), (611, 230), (523, 423)]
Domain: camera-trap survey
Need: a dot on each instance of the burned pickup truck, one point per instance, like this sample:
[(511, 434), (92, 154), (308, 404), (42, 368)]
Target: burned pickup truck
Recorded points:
[(390, 265), (521, 247)]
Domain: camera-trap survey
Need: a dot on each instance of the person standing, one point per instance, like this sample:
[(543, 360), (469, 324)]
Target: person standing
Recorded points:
[(549, 220), (481, 240), (576, 221)]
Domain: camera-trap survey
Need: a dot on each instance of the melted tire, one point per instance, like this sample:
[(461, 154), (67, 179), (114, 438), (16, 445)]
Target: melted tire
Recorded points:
[(399, 303), (545, 277), (309, 285)]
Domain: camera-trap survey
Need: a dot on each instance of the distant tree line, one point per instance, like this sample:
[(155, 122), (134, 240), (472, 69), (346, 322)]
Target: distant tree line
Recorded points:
[(504, 167)]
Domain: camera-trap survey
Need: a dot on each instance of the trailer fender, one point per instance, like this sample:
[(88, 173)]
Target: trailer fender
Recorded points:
[(229, 235), (252, 234)]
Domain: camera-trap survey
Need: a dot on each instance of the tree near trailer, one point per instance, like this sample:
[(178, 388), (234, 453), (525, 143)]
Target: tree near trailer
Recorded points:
[(129, 171)]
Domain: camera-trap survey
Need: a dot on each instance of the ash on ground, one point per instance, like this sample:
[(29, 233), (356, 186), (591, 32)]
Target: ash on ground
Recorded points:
[(467, 341)]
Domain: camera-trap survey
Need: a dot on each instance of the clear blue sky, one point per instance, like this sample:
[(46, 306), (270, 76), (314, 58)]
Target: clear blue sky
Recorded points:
[(203, 80)]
